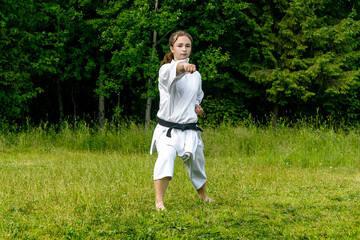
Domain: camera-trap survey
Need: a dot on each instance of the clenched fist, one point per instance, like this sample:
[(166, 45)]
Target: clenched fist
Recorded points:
[(198, 110), (190, 68)]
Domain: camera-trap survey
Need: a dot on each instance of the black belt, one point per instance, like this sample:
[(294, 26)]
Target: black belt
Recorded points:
[(182, 127)]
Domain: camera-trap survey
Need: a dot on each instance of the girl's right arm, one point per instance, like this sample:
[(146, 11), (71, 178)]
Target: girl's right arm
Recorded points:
[(172, 72), (185, 67)]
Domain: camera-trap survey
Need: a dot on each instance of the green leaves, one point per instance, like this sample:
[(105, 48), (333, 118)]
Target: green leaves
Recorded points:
[(303, 51), (209, 63), (254, 53)]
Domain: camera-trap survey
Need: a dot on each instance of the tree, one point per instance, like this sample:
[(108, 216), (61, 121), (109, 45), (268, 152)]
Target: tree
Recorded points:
[(101, 86), (58, 56), (303, 54), (149, 98), (16, 88), (131, 41), (78, 55)]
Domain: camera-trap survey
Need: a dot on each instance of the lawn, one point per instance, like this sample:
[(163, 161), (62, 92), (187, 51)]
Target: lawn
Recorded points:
[(293, 184)]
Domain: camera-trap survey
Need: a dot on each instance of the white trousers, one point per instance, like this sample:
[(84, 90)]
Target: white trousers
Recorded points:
[(164, 166)]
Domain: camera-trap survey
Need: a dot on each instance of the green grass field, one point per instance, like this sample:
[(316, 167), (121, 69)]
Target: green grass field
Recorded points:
[(297, 183)]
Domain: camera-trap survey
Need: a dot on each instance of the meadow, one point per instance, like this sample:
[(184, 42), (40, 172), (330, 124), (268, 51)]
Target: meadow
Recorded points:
[(298, 182)]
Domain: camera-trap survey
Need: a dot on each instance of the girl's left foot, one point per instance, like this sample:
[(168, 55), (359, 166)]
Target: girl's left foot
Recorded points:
[(207, 199)]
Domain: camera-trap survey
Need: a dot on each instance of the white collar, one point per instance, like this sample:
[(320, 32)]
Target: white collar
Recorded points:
[(186, 60)]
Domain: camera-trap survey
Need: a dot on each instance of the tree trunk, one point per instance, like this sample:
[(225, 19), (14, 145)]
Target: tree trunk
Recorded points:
[(118, 99), (61, 106), (149, 99), (101, 86), (101, 97), (275, 114), (74, 103)]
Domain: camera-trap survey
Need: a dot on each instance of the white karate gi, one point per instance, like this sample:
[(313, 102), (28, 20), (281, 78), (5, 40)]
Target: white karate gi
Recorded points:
[(178, 96)]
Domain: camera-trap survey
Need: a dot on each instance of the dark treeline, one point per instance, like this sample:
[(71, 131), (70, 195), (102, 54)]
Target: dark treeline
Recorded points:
[(98, 60)]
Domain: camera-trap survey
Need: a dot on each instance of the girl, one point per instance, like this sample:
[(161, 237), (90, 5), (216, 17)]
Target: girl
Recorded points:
[(177, 132)]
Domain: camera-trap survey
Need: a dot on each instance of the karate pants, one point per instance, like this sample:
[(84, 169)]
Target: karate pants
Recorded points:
[(164, 166)]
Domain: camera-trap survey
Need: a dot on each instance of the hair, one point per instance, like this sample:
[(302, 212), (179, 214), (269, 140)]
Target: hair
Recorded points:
[(173, 38)]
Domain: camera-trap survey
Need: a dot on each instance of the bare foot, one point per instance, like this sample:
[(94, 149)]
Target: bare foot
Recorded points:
[(160, 207), (207, 199)]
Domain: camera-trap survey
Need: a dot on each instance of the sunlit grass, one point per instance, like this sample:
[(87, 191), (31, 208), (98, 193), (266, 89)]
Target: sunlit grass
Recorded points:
[(83, 184)]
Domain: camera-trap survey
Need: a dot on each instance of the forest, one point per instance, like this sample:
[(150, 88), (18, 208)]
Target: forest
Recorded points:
[(78, 103), (97, 61)]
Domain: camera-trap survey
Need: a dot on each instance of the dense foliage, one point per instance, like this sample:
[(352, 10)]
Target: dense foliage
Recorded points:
[(73, 59)]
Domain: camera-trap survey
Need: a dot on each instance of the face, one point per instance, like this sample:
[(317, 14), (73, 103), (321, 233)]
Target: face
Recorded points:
[(181, 48)]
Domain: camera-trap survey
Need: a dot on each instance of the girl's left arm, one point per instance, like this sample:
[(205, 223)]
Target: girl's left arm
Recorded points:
[(199, 97), (198, 109)]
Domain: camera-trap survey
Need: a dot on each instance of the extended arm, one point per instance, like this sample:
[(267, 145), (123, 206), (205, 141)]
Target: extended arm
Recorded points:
[(185, 67)]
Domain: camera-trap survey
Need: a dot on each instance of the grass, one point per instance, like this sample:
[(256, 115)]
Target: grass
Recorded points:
[(297, 183)]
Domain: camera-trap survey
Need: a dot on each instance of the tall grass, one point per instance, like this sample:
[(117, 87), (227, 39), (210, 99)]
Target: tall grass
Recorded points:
[(128, 138), (296, 182), (299, 146), (302, 145)]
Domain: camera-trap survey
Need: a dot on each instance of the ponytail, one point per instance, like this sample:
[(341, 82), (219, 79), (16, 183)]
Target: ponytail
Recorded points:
[(168, 58)]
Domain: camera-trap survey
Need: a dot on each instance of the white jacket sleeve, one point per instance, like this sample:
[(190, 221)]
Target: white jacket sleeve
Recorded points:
[(200, 93), (167, 73)]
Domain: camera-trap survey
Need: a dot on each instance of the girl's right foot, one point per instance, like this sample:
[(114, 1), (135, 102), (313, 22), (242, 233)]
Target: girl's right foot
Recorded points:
[(160, 207)]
